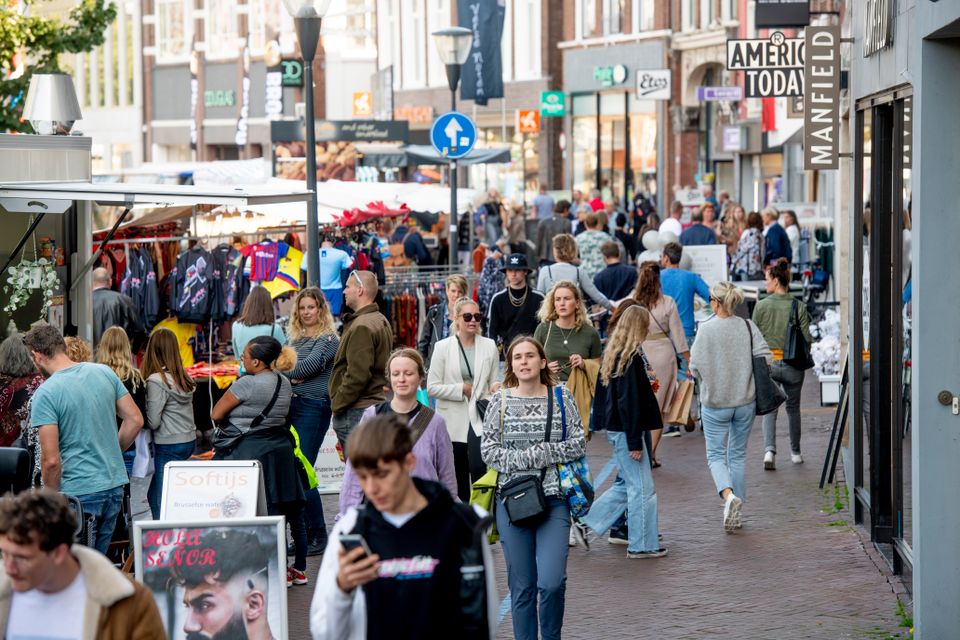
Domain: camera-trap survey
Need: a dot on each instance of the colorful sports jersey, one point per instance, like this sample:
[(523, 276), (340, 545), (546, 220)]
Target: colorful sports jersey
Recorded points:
[(288, 274), (265, 259)]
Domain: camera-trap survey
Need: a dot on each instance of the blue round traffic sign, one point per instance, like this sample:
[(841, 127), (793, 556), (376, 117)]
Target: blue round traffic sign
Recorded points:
[(453, 135)]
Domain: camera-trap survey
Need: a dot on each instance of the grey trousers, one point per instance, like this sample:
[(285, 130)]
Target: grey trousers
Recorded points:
[(792, 382)]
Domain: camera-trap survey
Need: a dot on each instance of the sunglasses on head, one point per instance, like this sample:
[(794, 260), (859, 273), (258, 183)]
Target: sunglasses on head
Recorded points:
[(471, 317), (354, 274)]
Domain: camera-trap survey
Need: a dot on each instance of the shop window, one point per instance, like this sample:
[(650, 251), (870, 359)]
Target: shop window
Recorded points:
[(269, 20), (359, 25), (220, 28), (590, 23), (612, 17), (386, 24), (689, 15), (174, 29), (728, 10), (414, 45), (708, 13), (643, 11), (527, 60), (438, 17)]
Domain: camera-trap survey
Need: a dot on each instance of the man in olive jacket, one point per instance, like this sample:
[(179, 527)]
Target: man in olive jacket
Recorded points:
[(53, 588), (359, 368)]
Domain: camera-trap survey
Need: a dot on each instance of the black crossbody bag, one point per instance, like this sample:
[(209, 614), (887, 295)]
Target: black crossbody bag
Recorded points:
[(229, 435), (523, 498)]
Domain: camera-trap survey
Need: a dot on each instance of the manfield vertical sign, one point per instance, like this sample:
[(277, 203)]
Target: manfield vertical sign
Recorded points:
[(821, 103)]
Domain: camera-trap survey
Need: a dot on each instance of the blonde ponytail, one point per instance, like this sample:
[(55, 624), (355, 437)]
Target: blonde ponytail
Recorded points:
[(286, 361)]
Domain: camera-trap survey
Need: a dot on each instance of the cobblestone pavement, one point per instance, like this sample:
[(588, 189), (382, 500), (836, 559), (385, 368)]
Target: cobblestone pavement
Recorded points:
[(795, 570)]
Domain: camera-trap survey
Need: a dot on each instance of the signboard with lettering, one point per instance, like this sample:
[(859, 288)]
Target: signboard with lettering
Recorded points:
[(422, 114), (329, 467), (362, 131), (292, 70), (219, 98), (782, 13), (720, 94), (212, 490), (654, 84), (552, 104), (181, 562), (362, 104), (528, 121), (821, 113), (610, 76), (772, 67), (708, 261), (733, 138)]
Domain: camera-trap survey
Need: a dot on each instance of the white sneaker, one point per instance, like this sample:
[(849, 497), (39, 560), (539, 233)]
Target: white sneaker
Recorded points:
[(578, 535), (731, 513), (572, 540), (796, 458), (769, 461)]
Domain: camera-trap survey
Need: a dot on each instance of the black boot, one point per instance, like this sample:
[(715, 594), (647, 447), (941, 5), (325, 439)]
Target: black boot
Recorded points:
[(316, 542)]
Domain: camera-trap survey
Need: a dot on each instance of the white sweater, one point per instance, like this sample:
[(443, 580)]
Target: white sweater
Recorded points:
[(721, 360)]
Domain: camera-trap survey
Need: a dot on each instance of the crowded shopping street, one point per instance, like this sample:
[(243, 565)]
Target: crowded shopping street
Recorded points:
[(477, 319)]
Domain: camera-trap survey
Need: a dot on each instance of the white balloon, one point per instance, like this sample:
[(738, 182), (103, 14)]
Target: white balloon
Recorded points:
[(651, 240)]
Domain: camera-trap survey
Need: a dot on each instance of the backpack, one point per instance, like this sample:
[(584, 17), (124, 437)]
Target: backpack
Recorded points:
[(473, 575)]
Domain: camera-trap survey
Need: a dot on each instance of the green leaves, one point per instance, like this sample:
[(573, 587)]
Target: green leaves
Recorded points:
[(43, 40)]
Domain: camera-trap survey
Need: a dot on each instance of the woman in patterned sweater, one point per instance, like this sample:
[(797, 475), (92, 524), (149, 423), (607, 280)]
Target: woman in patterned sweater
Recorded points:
[(516, 445)]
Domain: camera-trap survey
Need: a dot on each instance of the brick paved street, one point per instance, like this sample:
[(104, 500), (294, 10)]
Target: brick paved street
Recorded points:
[(795, 570)]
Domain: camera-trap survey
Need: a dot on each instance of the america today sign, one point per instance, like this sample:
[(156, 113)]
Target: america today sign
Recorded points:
[(772, 67)]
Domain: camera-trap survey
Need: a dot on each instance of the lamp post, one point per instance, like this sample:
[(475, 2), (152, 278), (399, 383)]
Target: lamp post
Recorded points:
[(453, 46), (307, 16)]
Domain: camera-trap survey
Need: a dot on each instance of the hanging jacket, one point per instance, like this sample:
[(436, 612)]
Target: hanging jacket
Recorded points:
[(228, 262), (140, 284), (194, 282)]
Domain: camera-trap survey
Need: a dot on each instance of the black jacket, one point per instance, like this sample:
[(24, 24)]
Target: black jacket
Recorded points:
[(432, 331), (112, 309), (194, 286), (140, 283), (418, 592), (616, 281), (628, 404), (505, 321)]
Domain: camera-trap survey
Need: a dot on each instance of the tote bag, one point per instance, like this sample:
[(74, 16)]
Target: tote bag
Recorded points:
[(769, 394)]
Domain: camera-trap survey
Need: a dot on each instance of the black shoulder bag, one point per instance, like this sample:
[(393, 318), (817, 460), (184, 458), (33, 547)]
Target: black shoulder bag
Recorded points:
[(227, 437), (523, 498), (796, 351), (769, 395)]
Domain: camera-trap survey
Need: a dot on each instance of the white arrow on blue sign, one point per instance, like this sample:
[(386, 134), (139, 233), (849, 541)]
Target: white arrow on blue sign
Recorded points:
[(453, 135)]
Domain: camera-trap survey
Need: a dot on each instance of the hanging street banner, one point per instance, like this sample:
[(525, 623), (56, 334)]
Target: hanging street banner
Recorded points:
[(782, 13), (821, 98), (772, 67), (482, 74), (653, 84)]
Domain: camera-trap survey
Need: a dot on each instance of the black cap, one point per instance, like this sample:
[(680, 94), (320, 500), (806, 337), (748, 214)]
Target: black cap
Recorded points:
[(516, 261)]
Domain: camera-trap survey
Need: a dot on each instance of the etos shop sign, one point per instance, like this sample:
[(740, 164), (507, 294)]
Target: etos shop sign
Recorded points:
[(772, 67)]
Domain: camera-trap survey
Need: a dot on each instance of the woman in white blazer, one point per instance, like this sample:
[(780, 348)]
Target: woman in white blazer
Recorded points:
[(463, 370)]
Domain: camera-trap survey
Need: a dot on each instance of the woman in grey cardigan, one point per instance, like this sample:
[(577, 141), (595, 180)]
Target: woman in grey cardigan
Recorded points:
[(722, 361), (169, 408), (565, 251)]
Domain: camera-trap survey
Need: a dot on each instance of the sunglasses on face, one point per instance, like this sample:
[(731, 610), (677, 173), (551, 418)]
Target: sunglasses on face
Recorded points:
[(471, 317)]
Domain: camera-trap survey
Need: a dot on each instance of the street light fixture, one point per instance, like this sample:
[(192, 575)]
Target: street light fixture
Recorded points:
[(307, 16), (453, 47)]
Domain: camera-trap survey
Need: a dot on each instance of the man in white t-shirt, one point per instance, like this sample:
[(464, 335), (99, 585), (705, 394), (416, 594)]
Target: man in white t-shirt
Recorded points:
[(50, 585), (673, 224)]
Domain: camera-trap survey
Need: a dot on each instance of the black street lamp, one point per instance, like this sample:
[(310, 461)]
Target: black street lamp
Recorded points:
[(307, 16), (453, 46)]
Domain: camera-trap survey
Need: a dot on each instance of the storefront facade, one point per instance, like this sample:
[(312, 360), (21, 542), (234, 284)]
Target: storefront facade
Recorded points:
[(613, 138), (902, 466)]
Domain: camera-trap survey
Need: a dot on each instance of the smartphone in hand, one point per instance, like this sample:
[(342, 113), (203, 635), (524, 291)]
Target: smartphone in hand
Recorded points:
[(350, 541)]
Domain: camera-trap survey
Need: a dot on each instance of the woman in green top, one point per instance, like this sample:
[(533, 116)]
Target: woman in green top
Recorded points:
[(566, 334), (772, 315)]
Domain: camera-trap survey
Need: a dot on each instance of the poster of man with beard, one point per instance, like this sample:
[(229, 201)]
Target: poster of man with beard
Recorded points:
[(215, 581)]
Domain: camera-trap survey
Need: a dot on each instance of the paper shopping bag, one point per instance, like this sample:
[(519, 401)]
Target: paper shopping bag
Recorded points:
[(679, 412)]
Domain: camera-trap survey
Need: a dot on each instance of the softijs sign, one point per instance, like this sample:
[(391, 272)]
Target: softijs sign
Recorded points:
[(610, 76)]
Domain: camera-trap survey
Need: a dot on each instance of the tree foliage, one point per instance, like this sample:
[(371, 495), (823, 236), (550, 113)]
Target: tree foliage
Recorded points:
[(43, 39)]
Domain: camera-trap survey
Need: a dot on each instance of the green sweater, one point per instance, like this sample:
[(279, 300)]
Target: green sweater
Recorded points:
[(584, 341), (772, 314)]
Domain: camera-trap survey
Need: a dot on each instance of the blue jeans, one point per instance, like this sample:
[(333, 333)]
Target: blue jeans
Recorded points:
[(537, 563), (311, 418), (162, 454), (128, 457), (726, 432), (635, 494), (344, 424), (105, 507)]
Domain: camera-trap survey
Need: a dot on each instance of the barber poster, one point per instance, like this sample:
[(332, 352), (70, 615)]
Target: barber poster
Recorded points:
[(216, 580), (482, 75)]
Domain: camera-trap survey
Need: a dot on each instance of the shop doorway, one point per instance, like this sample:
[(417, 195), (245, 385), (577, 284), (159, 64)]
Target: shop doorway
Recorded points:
[(881, 431)]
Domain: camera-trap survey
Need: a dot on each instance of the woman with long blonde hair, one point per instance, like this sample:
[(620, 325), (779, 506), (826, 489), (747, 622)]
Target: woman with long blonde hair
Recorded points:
[(565, 332), (625, 405), (114, 351), (315, 340), (169, 411)]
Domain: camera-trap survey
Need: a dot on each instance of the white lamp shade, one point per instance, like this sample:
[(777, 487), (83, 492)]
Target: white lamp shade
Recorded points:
[(453, 44), (307, 8), (51, 106)]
